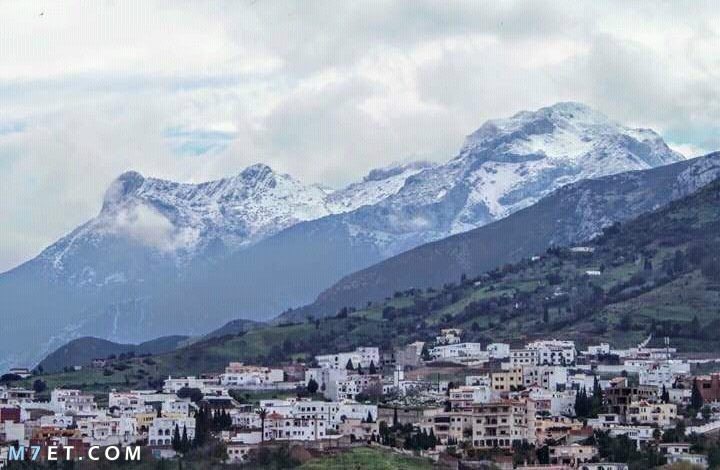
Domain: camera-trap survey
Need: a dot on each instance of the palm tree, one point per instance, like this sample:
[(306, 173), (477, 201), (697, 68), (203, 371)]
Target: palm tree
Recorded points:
[(262, 412)]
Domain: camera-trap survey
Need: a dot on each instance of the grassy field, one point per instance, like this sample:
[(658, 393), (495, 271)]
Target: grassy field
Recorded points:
[(367, 459)]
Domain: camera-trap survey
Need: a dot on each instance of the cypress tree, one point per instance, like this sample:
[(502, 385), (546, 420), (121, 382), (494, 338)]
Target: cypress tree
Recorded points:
[(696, 399), (176, 439)]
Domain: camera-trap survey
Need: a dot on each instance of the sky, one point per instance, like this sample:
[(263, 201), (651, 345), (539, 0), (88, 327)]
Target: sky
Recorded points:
[(324, 91)]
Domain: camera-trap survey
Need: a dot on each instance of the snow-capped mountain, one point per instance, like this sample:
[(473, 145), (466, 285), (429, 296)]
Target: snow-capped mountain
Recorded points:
[(509, 164), (182, 220), (174, 258)]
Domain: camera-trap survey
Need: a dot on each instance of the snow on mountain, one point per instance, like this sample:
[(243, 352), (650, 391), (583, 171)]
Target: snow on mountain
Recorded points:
[(183, 219), (376, 186), (509, 164), (199, 255)]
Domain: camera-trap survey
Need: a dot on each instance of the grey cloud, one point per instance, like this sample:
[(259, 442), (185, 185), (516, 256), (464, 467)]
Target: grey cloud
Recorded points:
[(322, 90)]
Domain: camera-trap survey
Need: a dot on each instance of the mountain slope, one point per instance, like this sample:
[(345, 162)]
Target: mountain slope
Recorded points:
[(572, 214), (169, 258), (81, 351), (660, 275)]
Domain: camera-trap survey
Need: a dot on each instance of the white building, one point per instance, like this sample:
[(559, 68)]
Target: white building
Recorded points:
[(239, 375), (107, 431), (661, 374), (206, 386), (522, 357), (463, 398), (498, 350), (554, 352), (333, 412), (548, 377), (448, 336), (162, 429), (72, 401), (362, 357), (458, 350)]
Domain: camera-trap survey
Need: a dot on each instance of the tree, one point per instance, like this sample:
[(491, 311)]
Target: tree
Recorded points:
[(262, 413), (39, 386), (9, 378), (194, 394), (665, 395), (372, 369), (176, 439), (184, 441), (395, 417), (696, 399), (312, 386), (203, 421), (349, 365), (369, 418)]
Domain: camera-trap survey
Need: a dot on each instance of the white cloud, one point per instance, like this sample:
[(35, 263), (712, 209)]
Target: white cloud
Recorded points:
[(322, 90), (147, 226)]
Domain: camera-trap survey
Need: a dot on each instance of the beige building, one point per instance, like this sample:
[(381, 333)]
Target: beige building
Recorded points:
[(507, 380), (573, 454), (644, 412), (501, 424)]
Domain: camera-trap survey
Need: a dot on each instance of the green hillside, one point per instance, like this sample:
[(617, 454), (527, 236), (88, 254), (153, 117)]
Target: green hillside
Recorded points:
[(659, 274)]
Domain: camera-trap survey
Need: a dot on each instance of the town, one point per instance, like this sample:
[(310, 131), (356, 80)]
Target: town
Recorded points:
[(544, 405)]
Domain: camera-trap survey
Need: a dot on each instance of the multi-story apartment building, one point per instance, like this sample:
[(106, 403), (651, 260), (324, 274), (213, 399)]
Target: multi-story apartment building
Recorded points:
[(463, 398), (554, 352), (502, 424), (72, 401), (523, 357), (619, 398), (658, 414), (507, 380), (549, 377), (362, 357)]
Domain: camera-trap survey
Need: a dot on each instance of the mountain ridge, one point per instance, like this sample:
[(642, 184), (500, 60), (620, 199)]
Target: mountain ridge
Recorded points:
[(572, 214), (243, 247)]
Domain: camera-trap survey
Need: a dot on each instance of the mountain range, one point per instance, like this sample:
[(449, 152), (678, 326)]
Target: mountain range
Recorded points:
[(572, 214), (656, 275), (172, 258)]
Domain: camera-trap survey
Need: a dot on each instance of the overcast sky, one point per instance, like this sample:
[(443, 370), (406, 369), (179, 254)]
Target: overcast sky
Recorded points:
[(322, 90)]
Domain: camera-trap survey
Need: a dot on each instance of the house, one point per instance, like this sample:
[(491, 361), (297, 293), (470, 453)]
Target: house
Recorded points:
[(23, 372), (448, 336), (238, 453), (548, 377), (360, 357), (554, 352), (498, 350), (72, 401), (352, 386), (458, 350), (573, 454), (709, 386), (644, 412), (241, 376), (174, 385), (463, 398), (696, 460), (162, 429), (358, 429)]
